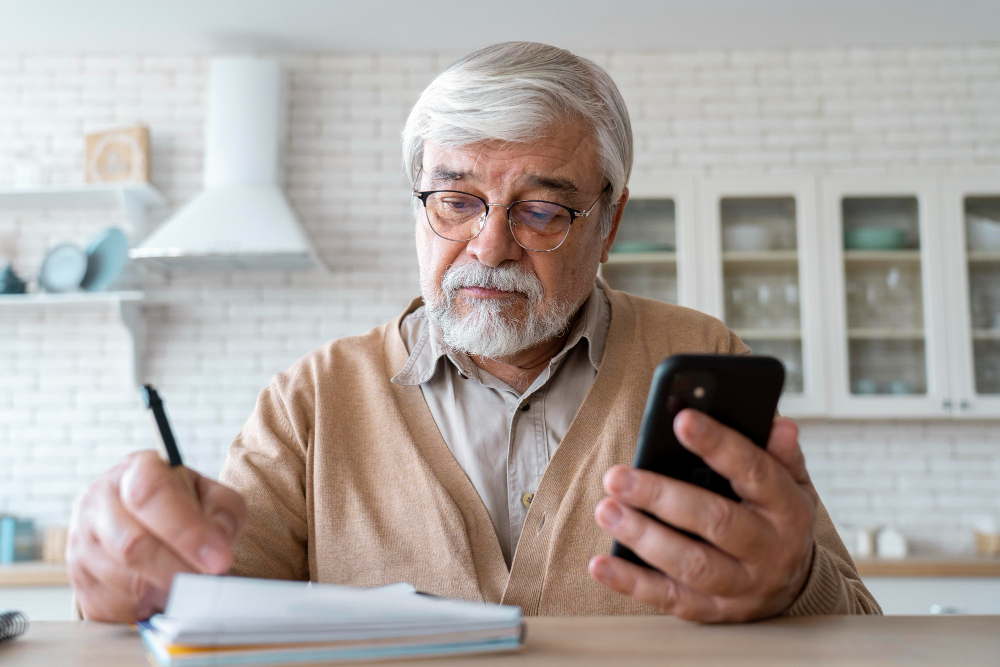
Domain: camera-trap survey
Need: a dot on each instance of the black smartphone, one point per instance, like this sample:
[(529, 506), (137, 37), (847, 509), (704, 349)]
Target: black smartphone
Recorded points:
[(740, 392)]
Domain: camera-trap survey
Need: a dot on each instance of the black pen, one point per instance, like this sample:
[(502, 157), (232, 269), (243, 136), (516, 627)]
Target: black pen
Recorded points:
[(167, 442)]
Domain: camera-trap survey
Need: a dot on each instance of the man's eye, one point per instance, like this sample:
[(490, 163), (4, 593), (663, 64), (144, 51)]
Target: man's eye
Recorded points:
[(539, 214)]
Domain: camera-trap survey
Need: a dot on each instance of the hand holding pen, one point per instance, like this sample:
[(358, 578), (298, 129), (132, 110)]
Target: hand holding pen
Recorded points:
[(170, 452), (144, 521)]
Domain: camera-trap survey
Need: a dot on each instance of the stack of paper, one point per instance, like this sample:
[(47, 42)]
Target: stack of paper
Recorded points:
[(232, 621)]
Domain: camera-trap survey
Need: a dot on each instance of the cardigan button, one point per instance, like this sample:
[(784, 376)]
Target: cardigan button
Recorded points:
[(526, 499)]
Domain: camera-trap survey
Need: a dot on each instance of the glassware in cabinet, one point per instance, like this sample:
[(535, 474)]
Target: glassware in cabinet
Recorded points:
[(888, 340), (970, 212), (762, 276), (882, 273)]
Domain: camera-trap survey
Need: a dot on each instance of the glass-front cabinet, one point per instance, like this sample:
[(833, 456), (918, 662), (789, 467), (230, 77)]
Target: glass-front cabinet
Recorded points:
[(761, 277), (971, 214), (885, 290), (654, 252), (880, 295)]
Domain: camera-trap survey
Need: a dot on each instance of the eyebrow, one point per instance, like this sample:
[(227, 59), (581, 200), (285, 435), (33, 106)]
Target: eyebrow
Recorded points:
[(556, 185)]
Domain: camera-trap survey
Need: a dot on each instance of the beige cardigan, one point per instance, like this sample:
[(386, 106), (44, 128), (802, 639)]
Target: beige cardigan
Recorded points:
[(348, 479)]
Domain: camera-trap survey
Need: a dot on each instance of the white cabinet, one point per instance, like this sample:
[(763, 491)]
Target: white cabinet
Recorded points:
[(39, 603), (971, 242), (885, 280), (760, 274), (918, 596), (881, 295)]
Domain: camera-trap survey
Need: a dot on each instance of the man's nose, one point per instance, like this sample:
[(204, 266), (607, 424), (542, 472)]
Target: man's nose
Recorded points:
[(495, 244)]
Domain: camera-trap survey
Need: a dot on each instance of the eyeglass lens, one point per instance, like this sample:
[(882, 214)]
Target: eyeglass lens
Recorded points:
[(536, 225)]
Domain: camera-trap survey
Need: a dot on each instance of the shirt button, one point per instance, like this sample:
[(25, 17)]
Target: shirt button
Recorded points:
[(526, 498), (525, 407)]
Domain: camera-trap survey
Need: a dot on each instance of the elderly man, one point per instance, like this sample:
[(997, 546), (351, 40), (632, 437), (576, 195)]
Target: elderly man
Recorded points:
[(477, 446)]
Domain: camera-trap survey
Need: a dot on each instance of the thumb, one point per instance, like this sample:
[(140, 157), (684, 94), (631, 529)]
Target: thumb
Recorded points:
[(222, 504)]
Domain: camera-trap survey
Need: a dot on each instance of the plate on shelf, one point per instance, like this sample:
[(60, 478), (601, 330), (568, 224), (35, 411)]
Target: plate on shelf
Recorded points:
[(106, 257), (641, 246), (63, 268), (984, 233), (746, 237), (875, 238)]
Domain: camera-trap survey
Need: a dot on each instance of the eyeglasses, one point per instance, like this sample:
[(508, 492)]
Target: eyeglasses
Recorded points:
[(539, 226)]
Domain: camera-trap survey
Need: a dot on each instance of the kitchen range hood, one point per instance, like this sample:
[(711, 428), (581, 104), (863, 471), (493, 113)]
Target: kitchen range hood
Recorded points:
[(241, 220)]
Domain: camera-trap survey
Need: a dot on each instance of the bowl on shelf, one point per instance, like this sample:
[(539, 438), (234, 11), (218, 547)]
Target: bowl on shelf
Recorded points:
[(746, 236), (984, 233), (900, 387), (864, 386), (641, 246), (875, 238)]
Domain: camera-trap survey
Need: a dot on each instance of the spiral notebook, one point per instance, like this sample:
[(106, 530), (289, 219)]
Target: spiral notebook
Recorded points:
[(13, 624), (235, 621)]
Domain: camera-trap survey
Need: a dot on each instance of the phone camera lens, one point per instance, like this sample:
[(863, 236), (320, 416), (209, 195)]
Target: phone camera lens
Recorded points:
[(699, 392)]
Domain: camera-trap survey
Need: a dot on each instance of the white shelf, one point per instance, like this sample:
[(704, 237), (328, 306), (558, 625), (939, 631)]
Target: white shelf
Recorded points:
[(134, 198), (642, 258), (986, 334), (760, 256), (984, 255), (769, 334), (881, 255), (128, 304), (67, 298), (97, 195), (885, 334)]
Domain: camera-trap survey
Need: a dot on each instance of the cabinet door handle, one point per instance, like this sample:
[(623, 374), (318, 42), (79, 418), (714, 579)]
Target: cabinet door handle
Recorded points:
[(946, 404), (964, 405)]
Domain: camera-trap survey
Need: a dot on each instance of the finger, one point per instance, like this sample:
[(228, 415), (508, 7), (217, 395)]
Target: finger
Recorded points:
[(734, 528), (108, 591), (131, 546), (784, 446), (697, 564), (223, 504), (155, 495), (754, 474), (653, 588)]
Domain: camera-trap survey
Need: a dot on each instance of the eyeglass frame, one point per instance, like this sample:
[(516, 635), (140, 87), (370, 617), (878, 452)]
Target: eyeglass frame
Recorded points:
[(574, 213)]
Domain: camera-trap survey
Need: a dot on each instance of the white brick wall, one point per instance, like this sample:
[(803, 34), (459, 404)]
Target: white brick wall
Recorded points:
[(68, 409)]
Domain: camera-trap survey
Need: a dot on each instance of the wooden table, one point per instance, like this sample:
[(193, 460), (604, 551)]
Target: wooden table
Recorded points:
[(581, 642)]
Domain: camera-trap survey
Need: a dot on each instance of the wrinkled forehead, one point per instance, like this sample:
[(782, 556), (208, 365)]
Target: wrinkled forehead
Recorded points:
[(563, 162)]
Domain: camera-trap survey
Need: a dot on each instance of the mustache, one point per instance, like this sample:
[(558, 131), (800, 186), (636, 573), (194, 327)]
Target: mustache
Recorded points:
[(506, 278)]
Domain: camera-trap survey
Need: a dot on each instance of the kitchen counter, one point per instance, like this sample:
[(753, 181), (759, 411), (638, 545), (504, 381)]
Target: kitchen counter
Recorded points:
[(33, 573), (622, 640), (929, 567), (45, 574)]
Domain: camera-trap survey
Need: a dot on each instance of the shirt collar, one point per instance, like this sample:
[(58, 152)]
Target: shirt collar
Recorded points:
[(425, 341)]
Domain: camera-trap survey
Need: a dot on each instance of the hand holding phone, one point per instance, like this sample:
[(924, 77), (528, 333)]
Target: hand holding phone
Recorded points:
[(725, 518), (740, 392)]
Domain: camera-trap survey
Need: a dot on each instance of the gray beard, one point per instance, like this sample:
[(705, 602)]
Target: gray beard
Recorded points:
[(485, 330)]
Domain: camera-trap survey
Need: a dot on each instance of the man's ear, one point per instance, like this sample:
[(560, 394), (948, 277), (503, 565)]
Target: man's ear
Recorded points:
[(608, 242)]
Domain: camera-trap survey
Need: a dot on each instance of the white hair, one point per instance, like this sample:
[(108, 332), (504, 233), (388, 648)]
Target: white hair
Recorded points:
[(516, 92)]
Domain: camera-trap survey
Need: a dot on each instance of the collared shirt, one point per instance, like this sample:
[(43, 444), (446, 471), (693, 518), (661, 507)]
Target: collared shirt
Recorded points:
[(501, 438)]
